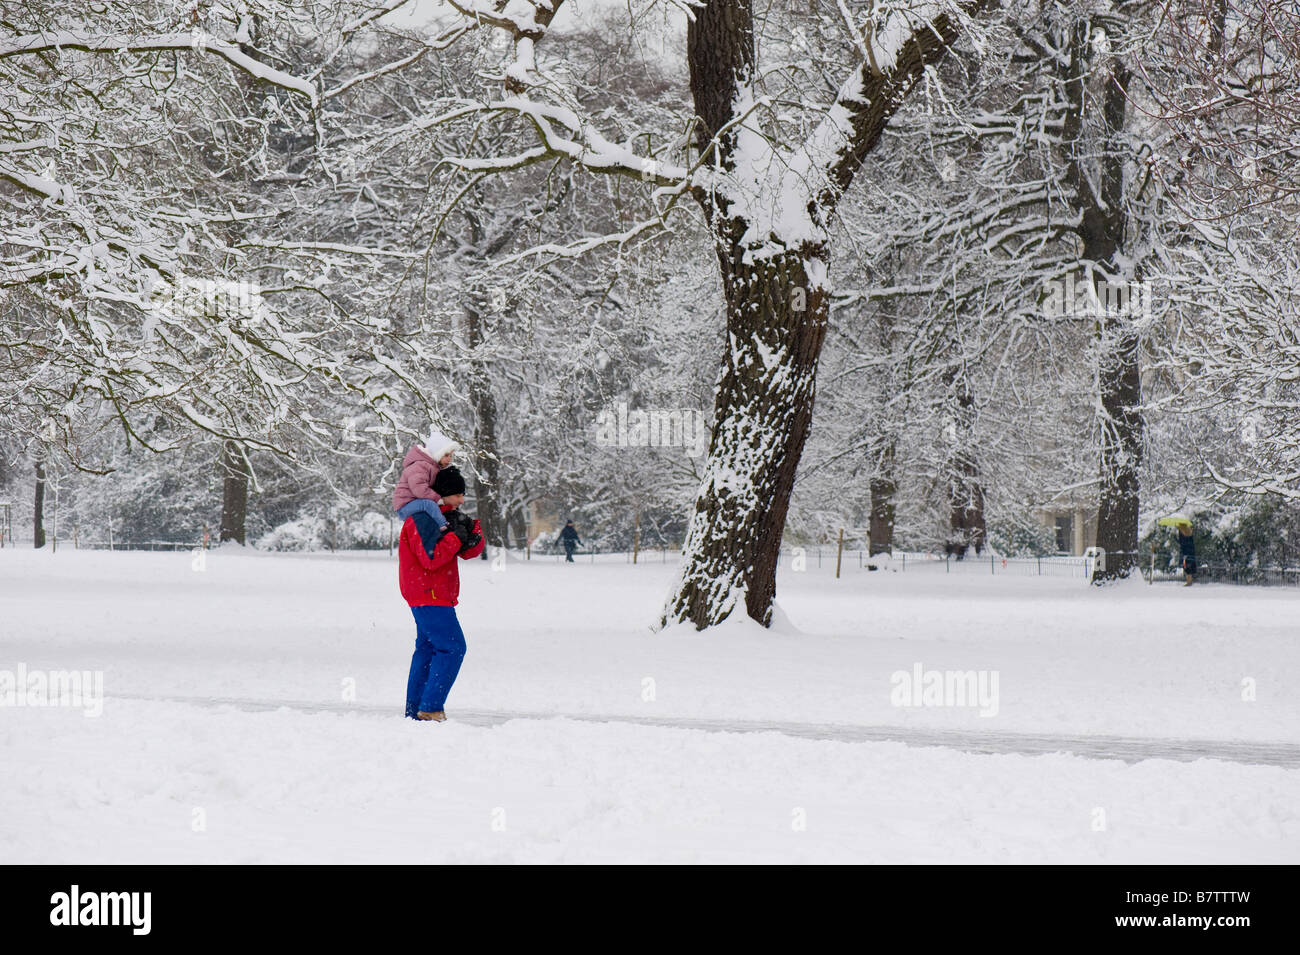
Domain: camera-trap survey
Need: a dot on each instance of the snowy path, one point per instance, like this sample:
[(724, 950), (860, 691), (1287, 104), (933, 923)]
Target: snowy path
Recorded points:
[(1129, 749)]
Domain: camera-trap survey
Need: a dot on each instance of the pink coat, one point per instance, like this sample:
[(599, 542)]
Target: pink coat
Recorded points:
[(418, 472)]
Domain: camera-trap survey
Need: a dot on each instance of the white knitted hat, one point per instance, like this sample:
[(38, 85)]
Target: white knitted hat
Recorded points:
[(438, 444)]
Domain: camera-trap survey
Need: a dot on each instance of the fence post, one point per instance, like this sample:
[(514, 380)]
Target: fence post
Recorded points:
[(839, 552), (636, 537)]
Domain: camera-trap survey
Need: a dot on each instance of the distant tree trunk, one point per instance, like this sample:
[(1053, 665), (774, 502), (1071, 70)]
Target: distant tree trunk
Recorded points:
[(966, 527), (883, 489), (39, 519), (518, 523), (966, 509), (235, 473), (487, 463)]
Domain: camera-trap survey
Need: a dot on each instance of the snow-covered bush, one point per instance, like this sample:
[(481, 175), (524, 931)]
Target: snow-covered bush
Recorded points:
[(1021, 537), (370, 532), (312, 530), (305, 533)]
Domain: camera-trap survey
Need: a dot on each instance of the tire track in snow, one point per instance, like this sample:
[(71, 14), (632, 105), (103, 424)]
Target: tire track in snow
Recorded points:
[(1129, 749)]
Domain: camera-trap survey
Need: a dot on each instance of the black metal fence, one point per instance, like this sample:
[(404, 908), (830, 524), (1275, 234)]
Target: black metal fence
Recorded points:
[(828, 556), (1226, 573)]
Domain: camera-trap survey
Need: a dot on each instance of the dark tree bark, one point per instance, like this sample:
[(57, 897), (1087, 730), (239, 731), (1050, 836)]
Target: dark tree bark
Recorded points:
[(517, 520), (1121, 449), (39, 519), (881, 528), (966, 510), (776, 297), (761, 420), (965, 492), (1101, 202), (235, 473), (487, 463)]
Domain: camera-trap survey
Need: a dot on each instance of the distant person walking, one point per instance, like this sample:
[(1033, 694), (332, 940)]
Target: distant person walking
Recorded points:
[(1187, 549), (569, 537)]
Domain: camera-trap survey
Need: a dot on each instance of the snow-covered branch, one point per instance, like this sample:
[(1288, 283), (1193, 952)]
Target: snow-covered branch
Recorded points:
[(197, 41)]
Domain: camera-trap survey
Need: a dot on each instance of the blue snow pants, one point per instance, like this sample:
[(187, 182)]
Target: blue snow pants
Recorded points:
[(439, 650)]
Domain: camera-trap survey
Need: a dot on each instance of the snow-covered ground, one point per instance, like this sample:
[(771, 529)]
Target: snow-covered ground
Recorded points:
[(312, 762)]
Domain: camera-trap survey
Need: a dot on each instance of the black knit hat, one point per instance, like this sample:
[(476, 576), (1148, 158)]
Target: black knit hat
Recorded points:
[(448, 482)]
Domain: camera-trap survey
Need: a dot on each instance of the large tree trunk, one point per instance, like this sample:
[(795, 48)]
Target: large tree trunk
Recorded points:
[(1119, 374), (234, 491), (1101, 200), (1121, 447), (773, 264), (39, 520), (762, 415)]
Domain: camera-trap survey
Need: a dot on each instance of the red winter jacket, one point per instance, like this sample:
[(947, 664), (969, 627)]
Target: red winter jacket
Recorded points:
[(426, 566)]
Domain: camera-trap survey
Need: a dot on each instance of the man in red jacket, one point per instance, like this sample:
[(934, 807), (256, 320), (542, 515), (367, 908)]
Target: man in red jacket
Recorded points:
[(430, 582)]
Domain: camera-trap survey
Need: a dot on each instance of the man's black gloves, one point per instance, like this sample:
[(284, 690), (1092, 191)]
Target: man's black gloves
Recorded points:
[(462, 525)]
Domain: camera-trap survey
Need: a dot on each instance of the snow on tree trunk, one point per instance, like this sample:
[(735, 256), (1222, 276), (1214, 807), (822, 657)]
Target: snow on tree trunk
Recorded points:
[(1095, 170), (38, 520), (776, 324), (768, 206), (234, 491), (965, 493), (883, 489), (1121, 448), (487, 479)]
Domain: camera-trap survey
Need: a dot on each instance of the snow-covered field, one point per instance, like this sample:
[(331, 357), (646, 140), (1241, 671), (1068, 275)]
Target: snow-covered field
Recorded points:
[(252, 712)]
